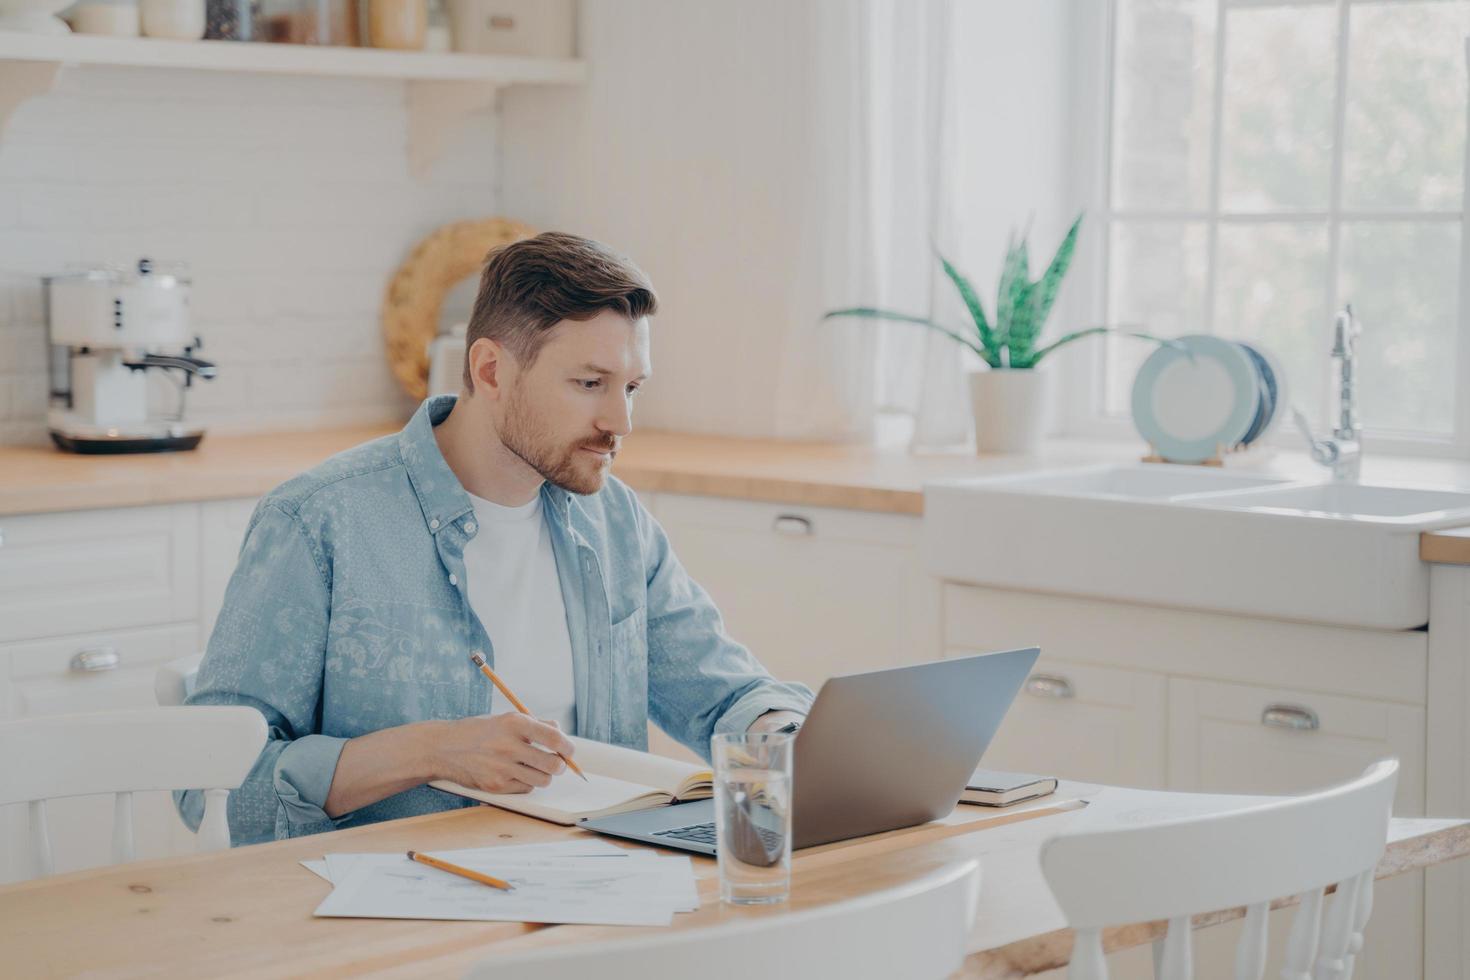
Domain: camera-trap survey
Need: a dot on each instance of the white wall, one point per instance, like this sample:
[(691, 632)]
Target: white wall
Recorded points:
[(692, 150), (289, 198)]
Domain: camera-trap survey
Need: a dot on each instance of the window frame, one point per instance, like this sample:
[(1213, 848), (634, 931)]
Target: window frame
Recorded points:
[(1085, 302)]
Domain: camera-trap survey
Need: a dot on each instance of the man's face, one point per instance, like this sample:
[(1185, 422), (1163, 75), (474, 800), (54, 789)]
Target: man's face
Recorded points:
[(566, 414)]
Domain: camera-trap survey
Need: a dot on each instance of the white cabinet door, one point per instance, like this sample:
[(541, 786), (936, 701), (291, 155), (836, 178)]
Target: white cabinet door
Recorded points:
[(41, 679), (222, 526), (98, 569), (1235, 738), (812, 591), (1079, 721)]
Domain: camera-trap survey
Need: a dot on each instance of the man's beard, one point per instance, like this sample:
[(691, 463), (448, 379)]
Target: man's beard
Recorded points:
[(558, 466)]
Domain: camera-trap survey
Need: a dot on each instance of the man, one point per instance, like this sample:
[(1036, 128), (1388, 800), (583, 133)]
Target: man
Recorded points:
[(488, 524)]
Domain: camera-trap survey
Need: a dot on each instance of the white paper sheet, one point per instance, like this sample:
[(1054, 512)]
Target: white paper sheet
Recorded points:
[(573, 847), (597, 890)]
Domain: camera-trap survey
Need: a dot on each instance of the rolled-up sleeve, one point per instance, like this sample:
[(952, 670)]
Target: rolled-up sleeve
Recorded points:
[(701, 682), (267, 652)]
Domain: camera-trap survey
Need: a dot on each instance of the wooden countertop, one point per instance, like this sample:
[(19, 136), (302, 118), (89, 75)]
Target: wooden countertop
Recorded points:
[(40, 479), (248, 911)]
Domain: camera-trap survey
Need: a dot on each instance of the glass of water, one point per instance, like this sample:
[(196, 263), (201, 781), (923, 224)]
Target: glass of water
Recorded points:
[(753, 816)]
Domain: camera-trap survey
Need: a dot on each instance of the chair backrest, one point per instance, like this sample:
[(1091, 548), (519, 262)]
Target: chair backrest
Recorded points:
[(123, 752), (916, 930), (1175, 869), (174, 680)]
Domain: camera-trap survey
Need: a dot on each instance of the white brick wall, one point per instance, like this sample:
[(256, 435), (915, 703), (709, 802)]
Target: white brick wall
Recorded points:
[(289, 198)]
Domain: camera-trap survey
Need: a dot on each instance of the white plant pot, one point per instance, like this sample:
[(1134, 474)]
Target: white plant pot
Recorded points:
[(1010, 407)]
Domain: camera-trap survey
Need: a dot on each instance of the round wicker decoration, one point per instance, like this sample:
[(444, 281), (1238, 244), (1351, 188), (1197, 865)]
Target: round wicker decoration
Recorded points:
[(416, 291)]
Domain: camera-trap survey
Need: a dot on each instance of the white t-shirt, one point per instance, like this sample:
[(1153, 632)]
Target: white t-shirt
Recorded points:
[(513, 588)]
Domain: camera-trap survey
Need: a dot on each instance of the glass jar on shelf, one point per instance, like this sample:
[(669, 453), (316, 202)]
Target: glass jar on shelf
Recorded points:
[(398, 24), (309, 22), (231, 20)]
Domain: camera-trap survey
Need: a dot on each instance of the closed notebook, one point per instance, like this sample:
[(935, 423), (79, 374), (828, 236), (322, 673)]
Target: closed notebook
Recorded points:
[(619, 780), (988, 787)]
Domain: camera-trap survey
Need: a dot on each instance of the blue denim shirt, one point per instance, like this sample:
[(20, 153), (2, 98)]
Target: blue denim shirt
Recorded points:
[(348, 613)]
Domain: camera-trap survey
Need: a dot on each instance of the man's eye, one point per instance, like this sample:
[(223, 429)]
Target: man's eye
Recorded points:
[(633, 389), (590, 384)]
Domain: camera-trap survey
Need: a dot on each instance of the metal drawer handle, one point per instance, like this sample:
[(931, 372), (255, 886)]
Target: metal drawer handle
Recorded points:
[(1049, 686), (95, 659), (791, 524), (1290, 716)]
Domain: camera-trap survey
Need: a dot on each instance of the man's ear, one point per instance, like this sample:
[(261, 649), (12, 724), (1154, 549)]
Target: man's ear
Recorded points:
[(487, 366)]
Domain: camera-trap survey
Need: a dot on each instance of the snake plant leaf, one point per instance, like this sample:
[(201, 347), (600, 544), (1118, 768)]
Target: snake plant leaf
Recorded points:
[(1050, 282), (871, 313), (972, 302), (1090, 331), (1015, 328)]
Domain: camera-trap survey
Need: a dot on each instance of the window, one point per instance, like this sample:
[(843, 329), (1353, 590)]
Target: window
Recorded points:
[(1268, 161)]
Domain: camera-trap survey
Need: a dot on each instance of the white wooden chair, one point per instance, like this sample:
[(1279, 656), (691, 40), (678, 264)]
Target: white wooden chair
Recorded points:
[(123, 752), (916, 930), (1179, 868), (174, 680)]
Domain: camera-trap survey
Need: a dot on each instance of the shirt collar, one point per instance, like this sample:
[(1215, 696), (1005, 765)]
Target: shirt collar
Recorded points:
[(441, 496)]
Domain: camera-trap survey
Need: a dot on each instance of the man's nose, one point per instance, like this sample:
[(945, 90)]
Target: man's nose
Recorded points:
[(617, 417)]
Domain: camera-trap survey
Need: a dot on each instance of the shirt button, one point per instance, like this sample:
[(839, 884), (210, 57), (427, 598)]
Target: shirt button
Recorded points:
[(453, 579), (434, 524), (469, 528)]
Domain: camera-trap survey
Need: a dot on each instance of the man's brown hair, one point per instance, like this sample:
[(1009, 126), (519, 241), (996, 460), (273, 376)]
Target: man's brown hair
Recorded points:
[(531, 285)]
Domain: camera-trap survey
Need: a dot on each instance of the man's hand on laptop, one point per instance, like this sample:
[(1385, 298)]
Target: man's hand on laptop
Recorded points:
[(501, 753), (774, 720)]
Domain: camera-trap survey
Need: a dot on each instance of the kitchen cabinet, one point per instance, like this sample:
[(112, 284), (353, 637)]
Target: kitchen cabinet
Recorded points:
[(1235, 738), (1214, 703), (1080, 721), (78, 673), (90, 603), (812, 591), (98, 569)]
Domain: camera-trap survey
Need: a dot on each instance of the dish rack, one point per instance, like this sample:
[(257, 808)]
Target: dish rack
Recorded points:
[(1232, 457)]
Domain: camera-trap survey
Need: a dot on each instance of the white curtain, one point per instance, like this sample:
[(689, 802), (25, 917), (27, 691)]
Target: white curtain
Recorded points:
[(881, 200)]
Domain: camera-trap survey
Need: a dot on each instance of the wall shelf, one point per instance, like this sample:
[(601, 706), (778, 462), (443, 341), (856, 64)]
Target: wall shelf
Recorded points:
[(442, 88)]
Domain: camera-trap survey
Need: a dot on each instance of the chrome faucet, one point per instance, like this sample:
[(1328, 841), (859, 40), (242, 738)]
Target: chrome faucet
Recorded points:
[(1343, 452)]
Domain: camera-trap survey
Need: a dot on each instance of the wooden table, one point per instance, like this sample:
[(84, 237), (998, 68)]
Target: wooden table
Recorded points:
[(248, 912)]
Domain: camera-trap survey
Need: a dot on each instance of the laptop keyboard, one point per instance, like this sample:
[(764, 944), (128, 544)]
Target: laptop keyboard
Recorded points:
[(700, 833), (704, 833)]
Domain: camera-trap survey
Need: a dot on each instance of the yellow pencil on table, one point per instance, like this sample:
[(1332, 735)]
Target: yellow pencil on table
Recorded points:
[(479, 662), (455, 869)]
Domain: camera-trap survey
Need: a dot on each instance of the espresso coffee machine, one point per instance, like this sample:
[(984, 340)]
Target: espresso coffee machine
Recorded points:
[(108, 327)]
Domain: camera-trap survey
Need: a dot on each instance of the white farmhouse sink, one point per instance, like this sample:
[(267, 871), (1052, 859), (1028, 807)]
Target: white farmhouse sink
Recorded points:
[(1352, 501), (1195, 538)]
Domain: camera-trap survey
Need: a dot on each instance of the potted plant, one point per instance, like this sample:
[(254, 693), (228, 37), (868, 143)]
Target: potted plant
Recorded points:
[(1008, 397)]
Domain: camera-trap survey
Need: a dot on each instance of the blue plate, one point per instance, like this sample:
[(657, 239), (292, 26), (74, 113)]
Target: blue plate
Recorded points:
[(1266, 410), (1194, 403)]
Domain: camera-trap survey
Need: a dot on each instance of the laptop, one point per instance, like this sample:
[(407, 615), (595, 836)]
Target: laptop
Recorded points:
[(879, 751)]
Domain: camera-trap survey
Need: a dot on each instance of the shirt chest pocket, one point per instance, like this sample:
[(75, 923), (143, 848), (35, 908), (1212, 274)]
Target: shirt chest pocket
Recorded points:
[(629, 663), (630, 638)]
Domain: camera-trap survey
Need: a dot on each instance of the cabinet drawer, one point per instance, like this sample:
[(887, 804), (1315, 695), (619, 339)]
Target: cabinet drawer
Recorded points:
[(1080, 721), (813, 592), (1374, 664), (47, 677), (96, 570), (1236, 738), (789, 520)]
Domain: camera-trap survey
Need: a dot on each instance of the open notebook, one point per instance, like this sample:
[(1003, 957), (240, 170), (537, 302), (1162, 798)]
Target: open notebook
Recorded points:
[(619, 780)]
